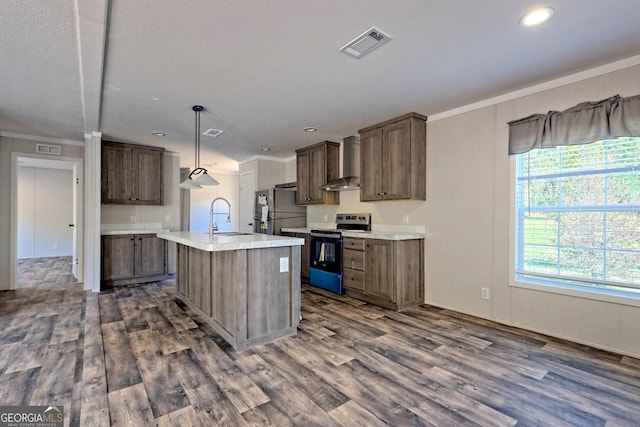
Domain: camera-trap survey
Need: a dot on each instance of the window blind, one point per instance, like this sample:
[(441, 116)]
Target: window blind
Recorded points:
[(578, 214)]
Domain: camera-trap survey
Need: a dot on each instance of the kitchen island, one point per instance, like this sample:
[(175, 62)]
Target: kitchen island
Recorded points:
[(247, 286)]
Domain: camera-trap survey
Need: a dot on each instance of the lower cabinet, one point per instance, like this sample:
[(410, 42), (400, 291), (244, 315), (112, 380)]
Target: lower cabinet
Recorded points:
[(304, 251), (133, 258), (388, 273)]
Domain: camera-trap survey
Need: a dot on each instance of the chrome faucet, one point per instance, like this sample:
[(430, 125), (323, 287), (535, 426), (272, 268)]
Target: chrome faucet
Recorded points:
[(213, 227)]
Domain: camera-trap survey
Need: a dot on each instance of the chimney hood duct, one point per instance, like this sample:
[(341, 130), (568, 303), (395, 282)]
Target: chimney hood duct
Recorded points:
[(350, 167)]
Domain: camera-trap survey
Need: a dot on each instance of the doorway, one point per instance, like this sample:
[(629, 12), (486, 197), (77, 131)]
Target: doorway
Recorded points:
[(46, 221)]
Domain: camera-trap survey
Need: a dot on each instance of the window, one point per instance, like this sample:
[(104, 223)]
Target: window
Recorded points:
[(578, 215)]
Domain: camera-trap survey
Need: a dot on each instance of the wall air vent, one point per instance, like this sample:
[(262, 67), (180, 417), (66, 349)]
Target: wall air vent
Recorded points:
[(365, 42), (213, 132), (48, 149)]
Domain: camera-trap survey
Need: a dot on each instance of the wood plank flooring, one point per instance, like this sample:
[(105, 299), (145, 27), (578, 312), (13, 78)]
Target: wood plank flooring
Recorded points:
[(138, 356), (47, 272)]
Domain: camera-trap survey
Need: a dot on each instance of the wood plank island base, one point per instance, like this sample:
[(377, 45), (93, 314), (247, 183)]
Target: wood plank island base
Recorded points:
[(247, 286)]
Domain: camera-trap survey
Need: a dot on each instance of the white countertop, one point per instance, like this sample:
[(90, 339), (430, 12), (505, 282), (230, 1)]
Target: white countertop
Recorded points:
[(381, 235), (134, 231), (222, 242)]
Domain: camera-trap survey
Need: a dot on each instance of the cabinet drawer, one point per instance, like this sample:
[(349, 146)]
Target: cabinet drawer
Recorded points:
[(353, 279), (353, 243), (353, 259)]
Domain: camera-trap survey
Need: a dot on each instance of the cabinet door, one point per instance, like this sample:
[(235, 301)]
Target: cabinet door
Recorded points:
[(317, 174), (118, 254), (147, 176), (370, 165), (302, 170), (396, 160), (116, 187), (379, 265), (150, 255)]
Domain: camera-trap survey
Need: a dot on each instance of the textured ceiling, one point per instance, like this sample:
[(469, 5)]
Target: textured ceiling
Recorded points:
[(263, 70)]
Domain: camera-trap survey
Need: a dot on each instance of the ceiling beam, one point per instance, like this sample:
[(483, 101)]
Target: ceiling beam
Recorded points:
[(91, 27)]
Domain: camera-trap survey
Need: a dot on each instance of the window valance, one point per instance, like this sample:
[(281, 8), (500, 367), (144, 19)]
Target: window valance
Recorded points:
[(582, 124)]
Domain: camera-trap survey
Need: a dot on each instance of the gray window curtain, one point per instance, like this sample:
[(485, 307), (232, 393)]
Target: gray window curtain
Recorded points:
[(585, 123)]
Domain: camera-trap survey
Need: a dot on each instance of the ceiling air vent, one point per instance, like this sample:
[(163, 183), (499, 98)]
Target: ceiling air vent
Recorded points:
[(213, 132), (48, 149), (365, 42)]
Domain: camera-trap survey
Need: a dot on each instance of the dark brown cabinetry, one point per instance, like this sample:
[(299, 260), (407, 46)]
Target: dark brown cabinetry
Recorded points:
[(133, 258), (388, 273), (304, 251), (315, 166), (393, 159), (132, 174)]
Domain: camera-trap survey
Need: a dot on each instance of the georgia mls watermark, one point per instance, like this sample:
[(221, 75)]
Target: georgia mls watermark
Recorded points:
[(31, 416)]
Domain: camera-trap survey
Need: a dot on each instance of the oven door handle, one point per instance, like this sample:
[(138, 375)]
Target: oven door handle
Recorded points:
[(327, 235)]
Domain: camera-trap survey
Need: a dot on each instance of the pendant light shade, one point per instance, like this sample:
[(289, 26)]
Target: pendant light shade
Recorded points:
[(199, 176), (205, 179), (189, 184)]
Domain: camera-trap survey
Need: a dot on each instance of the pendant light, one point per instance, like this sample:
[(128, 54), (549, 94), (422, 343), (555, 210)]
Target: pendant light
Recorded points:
[(199, 176)]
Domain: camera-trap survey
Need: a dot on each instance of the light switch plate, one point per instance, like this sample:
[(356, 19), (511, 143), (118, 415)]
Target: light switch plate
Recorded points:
[(284, 264)]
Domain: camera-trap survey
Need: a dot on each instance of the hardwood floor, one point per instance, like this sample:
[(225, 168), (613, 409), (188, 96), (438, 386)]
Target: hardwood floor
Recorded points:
[(48, 271), (138, 356)]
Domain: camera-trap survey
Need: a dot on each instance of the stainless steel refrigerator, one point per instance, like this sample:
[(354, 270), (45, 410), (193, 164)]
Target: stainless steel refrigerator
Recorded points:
[(276, 209)]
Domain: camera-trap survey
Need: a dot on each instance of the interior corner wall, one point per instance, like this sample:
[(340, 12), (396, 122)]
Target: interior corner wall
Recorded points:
[(45, 210), (467, 217), (291, 172), (201, 199)]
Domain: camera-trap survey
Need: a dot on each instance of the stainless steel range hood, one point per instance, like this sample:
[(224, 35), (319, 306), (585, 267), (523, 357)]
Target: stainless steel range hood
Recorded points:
[(350, 167)]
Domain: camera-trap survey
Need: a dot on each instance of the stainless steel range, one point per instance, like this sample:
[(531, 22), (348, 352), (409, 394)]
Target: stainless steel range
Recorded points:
[(326, 251)]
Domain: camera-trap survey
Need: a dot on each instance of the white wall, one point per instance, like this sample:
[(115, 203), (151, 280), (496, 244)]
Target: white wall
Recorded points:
[(269, 171), (467, 217), (45, 210), (201, 199)]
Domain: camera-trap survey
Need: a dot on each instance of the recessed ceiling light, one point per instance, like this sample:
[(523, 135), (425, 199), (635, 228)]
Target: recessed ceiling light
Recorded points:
[(310, 129), (264, 148), (536, 16), (158, 133)]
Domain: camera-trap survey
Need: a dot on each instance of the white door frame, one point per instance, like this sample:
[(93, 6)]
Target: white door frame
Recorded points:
[(78, 213)]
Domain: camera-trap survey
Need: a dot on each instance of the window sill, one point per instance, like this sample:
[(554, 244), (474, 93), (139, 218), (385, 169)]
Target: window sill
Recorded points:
[(604, 295)]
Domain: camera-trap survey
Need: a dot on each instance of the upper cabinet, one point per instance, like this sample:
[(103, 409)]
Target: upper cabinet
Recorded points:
[(393, 158), (132, 174), (315, 166)]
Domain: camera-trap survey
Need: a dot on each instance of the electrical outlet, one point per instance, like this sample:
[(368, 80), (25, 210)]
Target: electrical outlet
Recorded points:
[(132, 218), (405, 219), (55, 246), (284, 264), (167, 218), (484, 293), (326, 218)]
